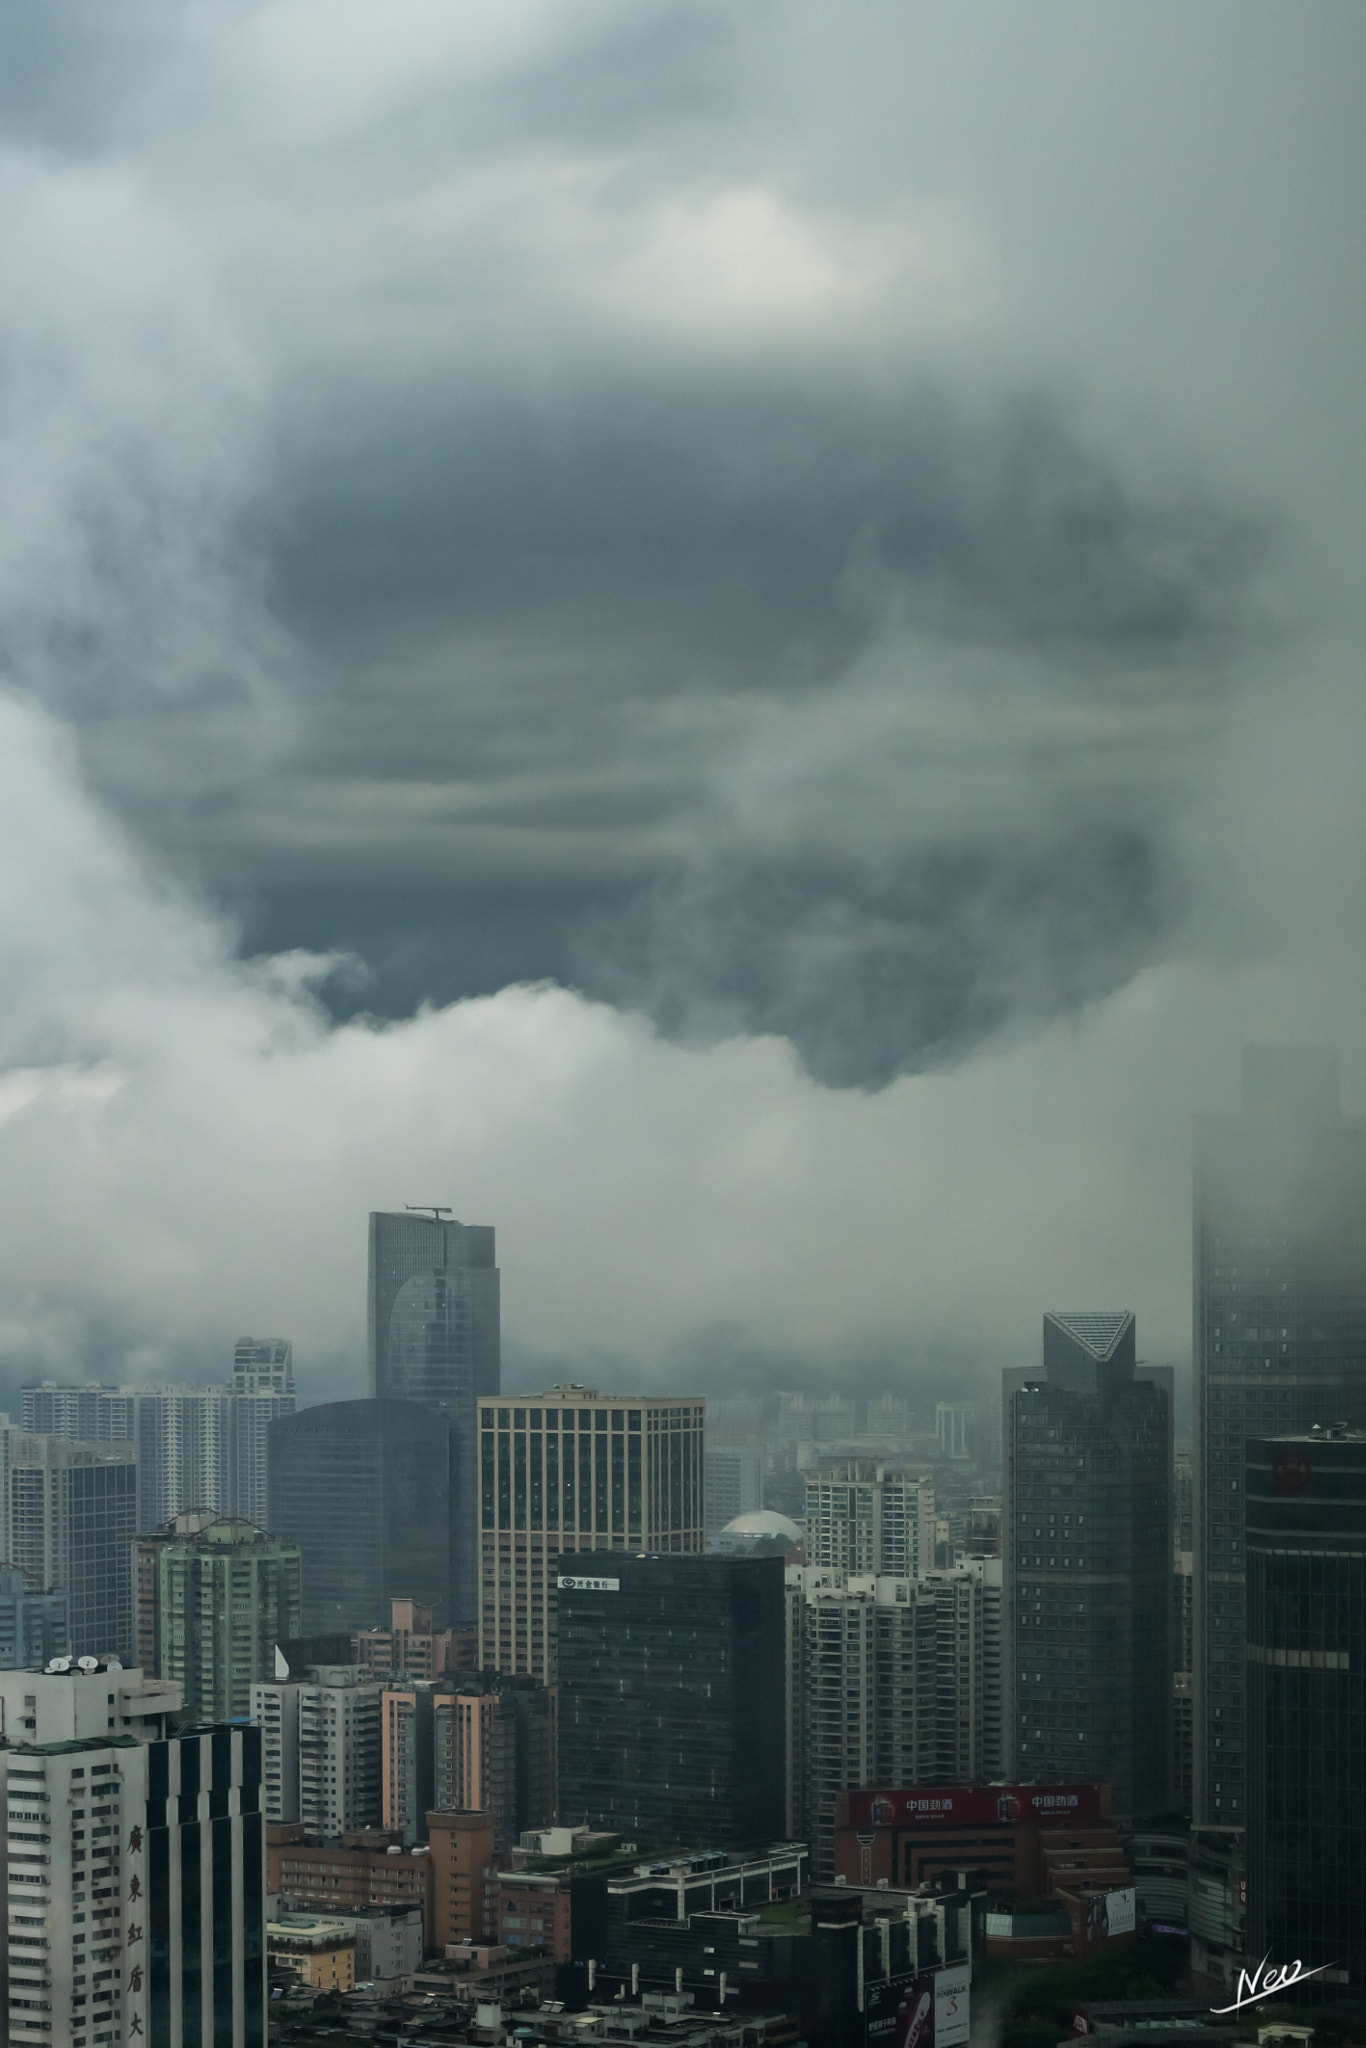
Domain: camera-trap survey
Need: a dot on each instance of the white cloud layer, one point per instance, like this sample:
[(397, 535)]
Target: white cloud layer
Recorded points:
[(187, 1147)]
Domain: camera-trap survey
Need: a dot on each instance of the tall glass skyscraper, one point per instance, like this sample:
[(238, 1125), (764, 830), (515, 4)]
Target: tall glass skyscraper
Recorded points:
[(1280, 1344), (671, 1697), (71, 1519), (434, 1339), (1088, 1462), (1306, 1707)]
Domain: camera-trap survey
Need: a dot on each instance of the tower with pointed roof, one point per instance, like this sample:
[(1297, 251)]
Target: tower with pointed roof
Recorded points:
[(1088, 1461)]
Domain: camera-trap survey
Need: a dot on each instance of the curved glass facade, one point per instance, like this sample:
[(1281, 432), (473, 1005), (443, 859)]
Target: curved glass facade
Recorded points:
[(434, 1339), (364, 1489)]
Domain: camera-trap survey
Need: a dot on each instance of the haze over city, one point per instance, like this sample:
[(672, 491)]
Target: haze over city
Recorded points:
[(727, 639)]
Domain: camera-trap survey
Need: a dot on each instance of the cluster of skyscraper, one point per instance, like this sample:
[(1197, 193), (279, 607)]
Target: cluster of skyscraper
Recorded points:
[(1245, 1698), (456, 1615)]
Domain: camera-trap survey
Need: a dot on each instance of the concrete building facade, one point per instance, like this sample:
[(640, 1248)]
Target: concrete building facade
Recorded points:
[(870, 1518), (214, 1596), (33, 1624), (134, 1868), (360, 1871), (321, 1750), (464, 1878)]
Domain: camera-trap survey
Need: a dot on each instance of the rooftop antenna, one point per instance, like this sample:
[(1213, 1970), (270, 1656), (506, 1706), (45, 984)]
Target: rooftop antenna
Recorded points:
[(436, 1210)]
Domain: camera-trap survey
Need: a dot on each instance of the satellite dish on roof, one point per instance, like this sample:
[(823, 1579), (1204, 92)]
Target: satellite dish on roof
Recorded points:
[(60, 1664), (87, 1663), (113, 1664)]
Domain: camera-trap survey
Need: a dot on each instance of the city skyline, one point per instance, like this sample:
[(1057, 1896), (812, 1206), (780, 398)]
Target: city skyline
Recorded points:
[(683, 787)]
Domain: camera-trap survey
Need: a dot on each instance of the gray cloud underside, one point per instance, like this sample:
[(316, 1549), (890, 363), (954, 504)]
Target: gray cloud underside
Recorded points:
[(548, 634)]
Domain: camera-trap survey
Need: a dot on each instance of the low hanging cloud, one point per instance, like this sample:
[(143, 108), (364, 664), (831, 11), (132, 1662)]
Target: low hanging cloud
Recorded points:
[(760, 707), (188, 1148)]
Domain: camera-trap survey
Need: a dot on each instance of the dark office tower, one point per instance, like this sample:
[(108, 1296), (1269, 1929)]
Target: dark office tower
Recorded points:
[(1280, 1344), (1088, 1464), (672, 1697), (1306, 1705), (72, 1519), (433, 1326), (364, 1489)]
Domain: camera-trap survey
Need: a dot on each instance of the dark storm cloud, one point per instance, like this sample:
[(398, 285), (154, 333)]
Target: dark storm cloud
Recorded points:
[(573, 608), (755, 531), (766, 690), (871, 972), (73, 70)]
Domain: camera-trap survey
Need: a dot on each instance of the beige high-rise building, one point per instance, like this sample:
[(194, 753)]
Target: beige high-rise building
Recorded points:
[(864, 1699), (575, 1470), (891, 1681), (867, 1516), (464, 1878), (476, 1760)]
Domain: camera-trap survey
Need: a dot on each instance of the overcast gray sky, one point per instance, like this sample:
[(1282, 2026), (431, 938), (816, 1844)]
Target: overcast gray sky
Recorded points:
[(729, 638)]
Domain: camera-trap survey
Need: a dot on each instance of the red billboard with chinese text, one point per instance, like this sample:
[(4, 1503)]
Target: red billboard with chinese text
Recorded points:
[(956, 1806)]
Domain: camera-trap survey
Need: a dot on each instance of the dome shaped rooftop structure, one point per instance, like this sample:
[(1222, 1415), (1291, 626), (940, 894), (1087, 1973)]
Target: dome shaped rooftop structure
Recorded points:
[(763, 1522), (760, 1532)]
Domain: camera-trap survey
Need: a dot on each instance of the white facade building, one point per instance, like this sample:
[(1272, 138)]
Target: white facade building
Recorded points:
[(864, 1697), (197, 1447), (106, 1816), (953, 1421), (891, 1681), (868, 1517), (321, 1750), (734, 1479)]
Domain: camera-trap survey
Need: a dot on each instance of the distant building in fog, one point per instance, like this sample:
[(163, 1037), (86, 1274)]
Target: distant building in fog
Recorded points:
[(263, 1391), (1280, 1335), (1088, 1571), (869, 1515), (953, 1422), (734, 1482), (198, 1447)]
